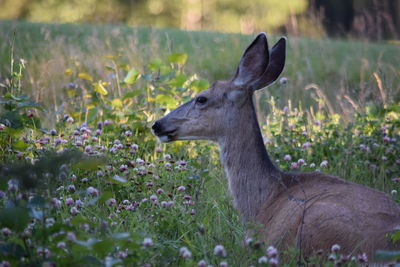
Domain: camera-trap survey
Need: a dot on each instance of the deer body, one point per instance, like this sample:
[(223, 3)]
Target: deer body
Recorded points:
[(311, 211)]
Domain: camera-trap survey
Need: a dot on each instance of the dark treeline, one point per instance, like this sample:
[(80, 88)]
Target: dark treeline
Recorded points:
[(375, 19), (368, 19)]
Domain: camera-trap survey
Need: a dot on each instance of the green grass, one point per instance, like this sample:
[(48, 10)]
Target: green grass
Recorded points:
[(341, 70), (366, 150)]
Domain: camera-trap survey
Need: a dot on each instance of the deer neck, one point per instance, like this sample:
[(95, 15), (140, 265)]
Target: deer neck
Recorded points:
[(253, 178)]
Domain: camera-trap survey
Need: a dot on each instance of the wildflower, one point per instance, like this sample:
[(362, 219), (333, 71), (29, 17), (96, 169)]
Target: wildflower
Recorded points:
[(386, 139), (135, 147), (273, 262), (193, 212), (50, 222), (139, 161), (70, 120), (223, 264), (5, 264), (312, 165), (294, 165), (6, 231), (53, 132), (182, 163), (324, 164), (167, 157), (301, 162), (123, 167), (306, 145), (147, 242), (107, 122), (71, 236), (2, 127), (88, 149), (185, 253), (362, 258), (78, 203), (12, 185), (100, 173), (153, 198), (98, 132), (122, 254), (263, 260), (283, 80), (128, 133), (248, 241), (160, 191), (61, 245), (71, 188), (111, 202), (43, 252), (335, 248), (55, 202), (287, 158), (92, 191), (202, 263), (272, 252), (181, 188), (291, 126), (159, 149), (393, 192), (69, 201), (74, 211), (219, 250)]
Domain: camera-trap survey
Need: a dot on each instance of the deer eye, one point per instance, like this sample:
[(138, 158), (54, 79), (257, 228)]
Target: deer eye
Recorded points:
[(201, 100)]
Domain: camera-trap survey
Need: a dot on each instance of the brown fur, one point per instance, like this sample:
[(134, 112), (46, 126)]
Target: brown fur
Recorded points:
[(311, 211)]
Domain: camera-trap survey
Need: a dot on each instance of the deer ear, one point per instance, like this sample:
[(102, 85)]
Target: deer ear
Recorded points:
[(275, 65), (253, 62)]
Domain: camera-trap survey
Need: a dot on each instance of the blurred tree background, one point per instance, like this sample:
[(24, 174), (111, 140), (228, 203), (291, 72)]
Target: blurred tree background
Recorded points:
[(372, 19)]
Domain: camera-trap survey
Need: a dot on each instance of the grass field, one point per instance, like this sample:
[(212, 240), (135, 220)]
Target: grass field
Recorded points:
[(113, 195)]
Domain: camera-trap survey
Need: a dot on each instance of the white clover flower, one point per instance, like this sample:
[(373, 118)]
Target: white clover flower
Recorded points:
[(287, 158), (147, 242), (185, 253), (263, 260), (74, 211), (181, 188), (92, 191), (272, 252), (61, 245), (324, 164), (335, 248), (219, 250), (393, 192), (202, 263)]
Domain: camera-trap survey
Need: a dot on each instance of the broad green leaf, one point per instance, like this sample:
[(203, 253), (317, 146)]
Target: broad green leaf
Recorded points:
[(166, 101), (199, 85), (85, 76), (89, 164), (105, 196), (179, 58), (19, 145), (132, 76), (155, 64), (132, 93), (15, 218), (103, 247), (99, 88)]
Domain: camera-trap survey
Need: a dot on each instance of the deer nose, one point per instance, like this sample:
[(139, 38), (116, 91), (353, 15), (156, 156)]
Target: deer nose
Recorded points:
[(156, 127)]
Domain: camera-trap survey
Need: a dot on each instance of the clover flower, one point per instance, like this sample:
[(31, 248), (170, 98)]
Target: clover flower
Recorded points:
[(219, 250)]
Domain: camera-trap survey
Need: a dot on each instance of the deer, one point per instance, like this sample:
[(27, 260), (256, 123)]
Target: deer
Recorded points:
[(308, 210)]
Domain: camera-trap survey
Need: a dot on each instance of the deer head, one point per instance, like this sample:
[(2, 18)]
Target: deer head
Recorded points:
[(213, 112)]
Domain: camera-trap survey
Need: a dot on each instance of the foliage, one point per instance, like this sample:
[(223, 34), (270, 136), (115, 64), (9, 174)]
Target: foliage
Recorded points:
[(98, 189)]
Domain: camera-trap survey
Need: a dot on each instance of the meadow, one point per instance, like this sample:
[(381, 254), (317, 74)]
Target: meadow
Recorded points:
[(84, 182)]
